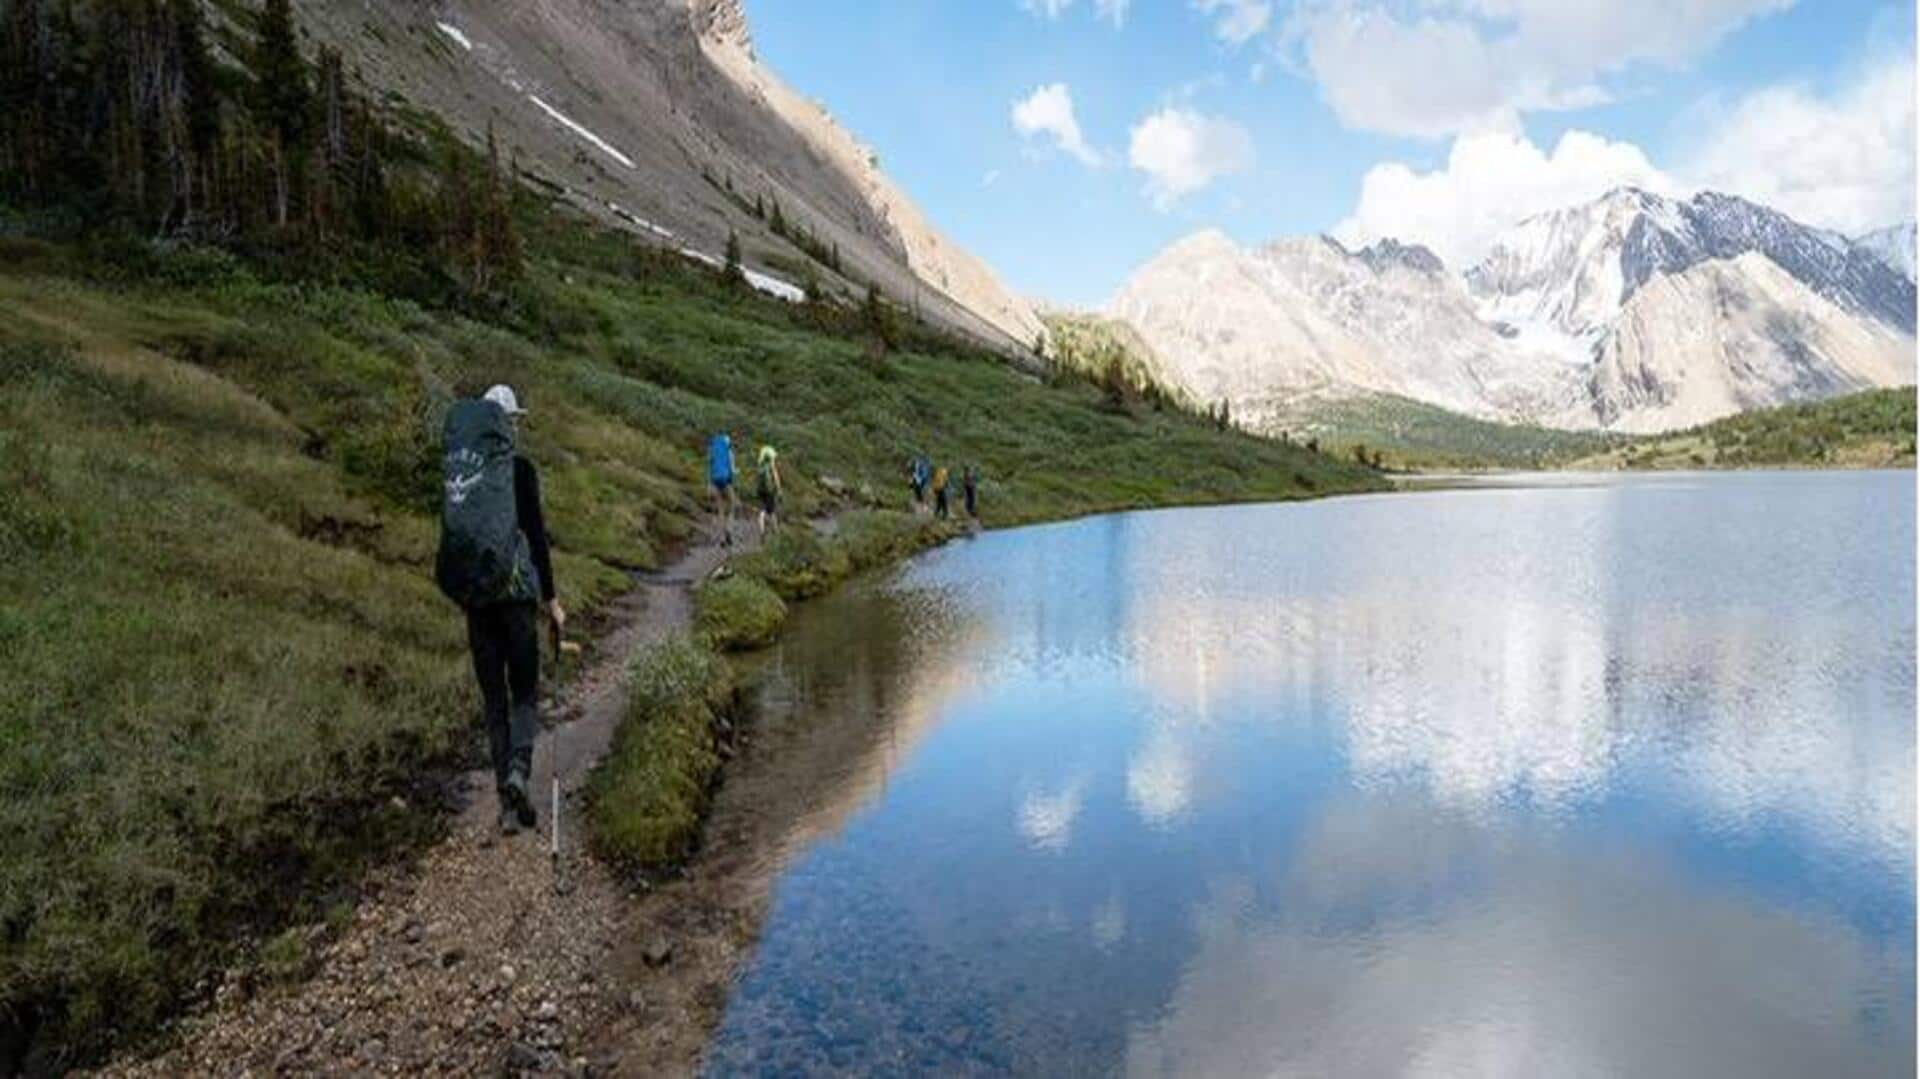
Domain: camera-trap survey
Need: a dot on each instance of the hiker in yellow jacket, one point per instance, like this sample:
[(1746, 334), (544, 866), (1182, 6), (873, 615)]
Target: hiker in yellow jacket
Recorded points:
[(940, 492)]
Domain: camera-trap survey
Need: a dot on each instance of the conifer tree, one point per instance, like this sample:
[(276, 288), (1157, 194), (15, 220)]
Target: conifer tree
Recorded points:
[(732, 271), (283, 100)]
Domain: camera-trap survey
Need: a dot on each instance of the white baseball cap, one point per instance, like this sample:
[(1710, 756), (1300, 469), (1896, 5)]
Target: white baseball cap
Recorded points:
[(503, 396)]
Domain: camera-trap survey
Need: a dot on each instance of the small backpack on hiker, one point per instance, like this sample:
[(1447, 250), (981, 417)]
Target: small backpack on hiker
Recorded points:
[(720, 461), (484, 558)]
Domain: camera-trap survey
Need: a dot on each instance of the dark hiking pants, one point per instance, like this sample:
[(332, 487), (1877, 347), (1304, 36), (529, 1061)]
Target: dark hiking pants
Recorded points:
[(506, 659)]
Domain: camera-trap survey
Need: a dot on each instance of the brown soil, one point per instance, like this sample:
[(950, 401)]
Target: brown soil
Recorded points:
[(491, 954)]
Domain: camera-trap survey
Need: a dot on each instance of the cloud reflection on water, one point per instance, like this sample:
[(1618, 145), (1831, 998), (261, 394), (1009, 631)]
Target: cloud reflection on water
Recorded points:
[(1530, 672), (1556, 963)]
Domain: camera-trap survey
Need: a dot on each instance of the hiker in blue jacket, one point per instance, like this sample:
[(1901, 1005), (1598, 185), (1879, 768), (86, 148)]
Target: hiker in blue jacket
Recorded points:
[(720, 473)]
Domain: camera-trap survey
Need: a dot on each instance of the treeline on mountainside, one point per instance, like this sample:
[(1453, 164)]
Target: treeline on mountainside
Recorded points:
[(121, 121), (1872, 427)]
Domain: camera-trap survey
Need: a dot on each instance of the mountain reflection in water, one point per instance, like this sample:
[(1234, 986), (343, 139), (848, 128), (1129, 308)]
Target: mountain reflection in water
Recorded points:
[(1615, 778)]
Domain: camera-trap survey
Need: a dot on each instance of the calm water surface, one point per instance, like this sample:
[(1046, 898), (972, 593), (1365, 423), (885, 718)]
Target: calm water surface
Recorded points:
[(1588, 779)]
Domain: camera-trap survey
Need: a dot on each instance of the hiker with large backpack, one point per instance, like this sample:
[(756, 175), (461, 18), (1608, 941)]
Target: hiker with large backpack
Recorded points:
[(495, 562), (720, 472)]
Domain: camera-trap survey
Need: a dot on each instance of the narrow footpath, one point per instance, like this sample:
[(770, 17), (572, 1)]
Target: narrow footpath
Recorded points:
[(489, 954)]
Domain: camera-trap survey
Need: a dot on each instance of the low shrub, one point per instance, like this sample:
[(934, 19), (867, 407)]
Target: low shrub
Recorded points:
[(647, 796), (797, 563), (737, 613)]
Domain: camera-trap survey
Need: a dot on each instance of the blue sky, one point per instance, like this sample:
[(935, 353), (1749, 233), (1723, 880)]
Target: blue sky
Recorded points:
[(1438, 121)]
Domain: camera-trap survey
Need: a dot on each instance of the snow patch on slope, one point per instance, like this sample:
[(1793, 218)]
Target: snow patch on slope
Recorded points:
[(568, 122), (767, 283), (453, 32)]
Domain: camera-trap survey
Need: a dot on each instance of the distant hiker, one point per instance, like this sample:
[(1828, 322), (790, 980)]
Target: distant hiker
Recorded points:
[(720, 478), (919, 474), (767, 486), (969, 485), (940, 492), (494, 561)]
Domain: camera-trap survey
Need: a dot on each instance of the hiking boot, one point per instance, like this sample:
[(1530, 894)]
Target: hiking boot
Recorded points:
[(515, 799), (509, 820)]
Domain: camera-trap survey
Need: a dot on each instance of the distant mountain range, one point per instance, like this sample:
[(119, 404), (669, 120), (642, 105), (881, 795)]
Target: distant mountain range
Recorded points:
[(1633, 312)]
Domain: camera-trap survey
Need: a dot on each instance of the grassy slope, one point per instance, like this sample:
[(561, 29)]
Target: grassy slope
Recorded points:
[(1873, 429), (216, 533), (1087, 344)]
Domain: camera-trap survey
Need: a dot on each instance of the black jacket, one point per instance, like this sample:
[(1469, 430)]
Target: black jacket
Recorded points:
[(533, 523)]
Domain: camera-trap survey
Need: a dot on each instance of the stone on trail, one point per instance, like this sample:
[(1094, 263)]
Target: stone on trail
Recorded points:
[(658, 952), (523, 1058)]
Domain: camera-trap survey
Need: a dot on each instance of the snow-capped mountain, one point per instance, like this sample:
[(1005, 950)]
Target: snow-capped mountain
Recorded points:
[(1305, 318), (1894, 245), (1575, 268), (1633, 312)]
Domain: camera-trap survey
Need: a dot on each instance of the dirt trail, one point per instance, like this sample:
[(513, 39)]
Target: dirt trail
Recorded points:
[(470, 958)]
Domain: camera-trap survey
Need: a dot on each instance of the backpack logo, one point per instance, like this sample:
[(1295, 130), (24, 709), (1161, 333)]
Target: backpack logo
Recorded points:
[(465, 470)]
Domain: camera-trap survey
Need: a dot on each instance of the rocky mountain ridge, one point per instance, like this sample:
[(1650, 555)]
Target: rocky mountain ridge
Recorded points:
[(1894, 245), (1634, 312), (658, 118)]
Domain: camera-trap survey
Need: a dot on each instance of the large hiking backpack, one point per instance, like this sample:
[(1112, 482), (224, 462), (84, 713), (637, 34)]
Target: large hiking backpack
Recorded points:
[(720, 460), (484, 558)]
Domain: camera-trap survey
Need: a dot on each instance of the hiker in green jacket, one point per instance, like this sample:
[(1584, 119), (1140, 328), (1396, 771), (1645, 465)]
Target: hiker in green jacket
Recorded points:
[(767, 488)]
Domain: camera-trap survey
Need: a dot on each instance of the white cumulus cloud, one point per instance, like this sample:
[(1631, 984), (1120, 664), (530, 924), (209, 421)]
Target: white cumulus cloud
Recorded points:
[(1236, 21), (1049, 111), (1046, 9), (1183, 151), (1844, 161), (1491, 180), (1113, 11), (1440, 67)]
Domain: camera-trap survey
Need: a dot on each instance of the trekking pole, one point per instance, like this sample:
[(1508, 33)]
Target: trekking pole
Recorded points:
[(560, 884)]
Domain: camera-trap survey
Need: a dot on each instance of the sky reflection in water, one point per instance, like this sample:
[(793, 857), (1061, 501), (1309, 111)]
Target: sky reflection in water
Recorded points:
[(1582, 780)]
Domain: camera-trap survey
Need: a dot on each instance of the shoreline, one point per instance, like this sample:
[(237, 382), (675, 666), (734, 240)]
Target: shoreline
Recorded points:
[(478, 953), (640, 961)]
